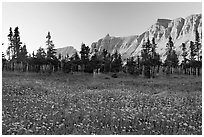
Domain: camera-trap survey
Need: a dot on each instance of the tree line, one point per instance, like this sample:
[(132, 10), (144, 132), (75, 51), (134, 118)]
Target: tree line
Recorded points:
[(148, 63)]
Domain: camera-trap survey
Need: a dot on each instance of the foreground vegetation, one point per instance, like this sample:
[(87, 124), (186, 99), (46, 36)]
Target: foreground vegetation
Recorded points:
[(80, 104)]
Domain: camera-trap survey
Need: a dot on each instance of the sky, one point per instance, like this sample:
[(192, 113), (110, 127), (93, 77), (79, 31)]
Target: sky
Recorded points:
[(70, 23)]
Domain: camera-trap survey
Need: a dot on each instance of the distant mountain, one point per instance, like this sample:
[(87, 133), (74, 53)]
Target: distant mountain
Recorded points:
[(66, 50), (182, 30)]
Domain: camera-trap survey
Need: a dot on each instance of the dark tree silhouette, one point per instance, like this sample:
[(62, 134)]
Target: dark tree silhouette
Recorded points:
[(146, 58), (197, 49), (197, 45), (116, 64), (131, 65), (41, 59), (154, 59), (10, 50), (17, 43), (184, 54), (84, 57), (106, 61), (172, 58), (75, 62), (23, 57), (192, 62), (51, 54), (13, 50)]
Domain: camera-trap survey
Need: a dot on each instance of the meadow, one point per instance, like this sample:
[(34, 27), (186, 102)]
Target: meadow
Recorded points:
[(80, 104)]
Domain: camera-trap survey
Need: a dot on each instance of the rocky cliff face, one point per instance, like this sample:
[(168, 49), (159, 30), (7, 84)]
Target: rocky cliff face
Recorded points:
[(69, 50), (182, 30)]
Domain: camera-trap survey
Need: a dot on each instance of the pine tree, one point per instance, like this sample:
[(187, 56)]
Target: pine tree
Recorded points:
[(14, 47), (23, 57), (192, 57), (131, 64), (184, 54), (172, 58), (23, 53), (10, 50), (146, 58), (105, 62), (116, 64), (94, 62), (198, 63), (51, 51), (76, 61), (51, 54), (41, 56), (84, 57), (197, 45), (155, 58), (17, 43)]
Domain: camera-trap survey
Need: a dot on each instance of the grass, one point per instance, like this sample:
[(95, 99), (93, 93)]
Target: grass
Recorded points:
[(80, 104)]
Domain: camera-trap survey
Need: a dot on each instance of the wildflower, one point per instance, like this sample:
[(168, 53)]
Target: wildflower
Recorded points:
[(185, 124)]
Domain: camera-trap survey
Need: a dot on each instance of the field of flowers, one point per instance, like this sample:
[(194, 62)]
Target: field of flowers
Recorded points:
[(80, 104)]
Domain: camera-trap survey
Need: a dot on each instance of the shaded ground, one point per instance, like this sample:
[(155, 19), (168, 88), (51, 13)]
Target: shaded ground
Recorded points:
[(81, 104)]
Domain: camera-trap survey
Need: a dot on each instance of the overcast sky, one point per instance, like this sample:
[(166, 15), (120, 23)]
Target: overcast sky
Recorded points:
[(70, 24)]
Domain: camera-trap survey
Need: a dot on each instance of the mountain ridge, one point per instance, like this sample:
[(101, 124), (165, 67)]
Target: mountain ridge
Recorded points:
[(182, 30), (64, 51)]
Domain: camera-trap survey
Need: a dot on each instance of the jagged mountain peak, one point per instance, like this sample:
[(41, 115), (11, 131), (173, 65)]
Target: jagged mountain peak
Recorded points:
[(194, 16), (163, 22), (182, 30), (108, 35)]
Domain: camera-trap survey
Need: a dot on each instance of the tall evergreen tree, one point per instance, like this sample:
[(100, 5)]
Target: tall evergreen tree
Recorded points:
[(10, 50), (131, 65), (94, 62), (84, 57), (23, 57), (184, 54), (197, 45), (146, 58), (17, 43), (14, 47), (105, 61), (51, 53), (155, 58), (23, 53), (198, 48), (116, 64), (41, 55), (192, 58), (172, 58), (76, 61)]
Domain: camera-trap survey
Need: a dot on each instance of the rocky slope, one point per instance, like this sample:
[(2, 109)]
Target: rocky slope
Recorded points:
[(182, 30), (66, 50)]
